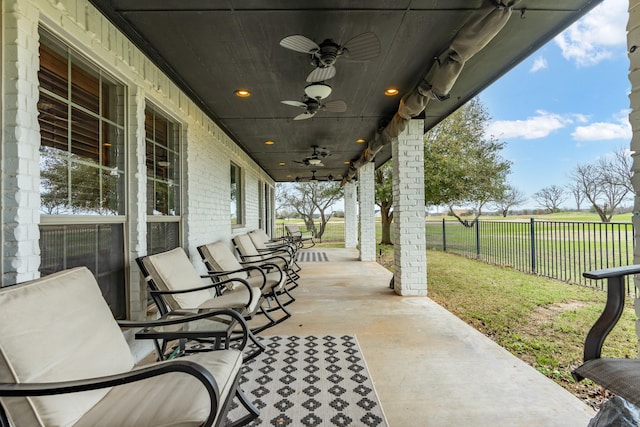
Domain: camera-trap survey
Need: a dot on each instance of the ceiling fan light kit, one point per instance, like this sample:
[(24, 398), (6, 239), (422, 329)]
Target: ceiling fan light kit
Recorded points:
[(317, 90)]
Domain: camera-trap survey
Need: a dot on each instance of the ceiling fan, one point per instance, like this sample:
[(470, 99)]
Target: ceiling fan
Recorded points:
[(312, 106), (314, 178), (315, 159), (363, 47)]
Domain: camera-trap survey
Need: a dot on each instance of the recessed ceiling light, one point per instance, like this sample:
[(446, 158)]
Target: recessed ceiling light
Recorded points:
[(360, 141), (243, 93), (391, 91), (269, 142), (282, 163), (347, 163)]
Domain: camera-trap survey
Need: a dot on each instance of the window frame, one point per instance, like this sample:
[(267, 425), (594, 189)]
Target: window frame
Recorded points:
[(178, 149), (236, 179)]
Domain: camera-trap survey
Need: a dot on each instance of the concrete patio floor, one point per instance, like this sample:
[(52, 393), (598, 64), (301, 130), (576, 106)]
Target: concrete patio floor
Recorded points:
[(429, 367)]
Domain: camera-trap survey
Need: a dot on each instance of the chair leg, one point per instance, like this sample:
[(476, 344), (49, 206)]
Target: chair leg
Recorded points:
[(253, 354), (253, 411)]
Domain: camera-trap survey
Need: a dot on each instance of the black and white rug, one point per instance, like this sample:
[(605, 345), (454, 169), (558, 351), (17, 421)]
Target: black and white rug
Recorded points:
[(312, 256), (310, 381)]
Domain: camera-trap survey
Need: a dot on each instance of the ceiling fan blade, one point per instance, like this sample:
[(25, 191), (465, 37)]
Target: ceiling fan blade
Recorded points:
[(295, 103), (299, 43), (335, 106), (303, 116), (363, 47), (321, 74)]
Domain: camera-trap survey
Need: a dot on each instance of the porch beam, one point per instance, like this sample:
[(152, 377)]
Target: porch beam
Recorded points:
[(410, 276)]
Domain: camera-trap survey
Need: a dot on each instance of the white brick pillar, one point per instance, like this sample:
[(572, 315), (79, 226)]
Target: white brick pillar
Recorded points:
[(633, 43), (350, 216), (20, 143), (410, 276), (137, 214), (367, 211)]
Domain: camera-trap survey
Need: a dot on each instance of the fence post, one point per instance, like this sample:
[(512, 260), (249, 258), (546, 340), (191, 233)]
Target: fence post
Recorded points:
[(477, 237), (533, 245), (444, 236)]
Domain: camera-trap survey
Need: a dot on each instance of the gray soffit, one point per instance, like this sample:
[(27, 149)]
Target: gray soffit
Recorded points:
[(210, 48)]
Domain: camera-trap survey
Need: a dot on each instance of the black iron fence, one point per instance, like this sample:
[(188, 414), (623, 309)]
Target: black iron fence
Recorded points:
[(561, 250)]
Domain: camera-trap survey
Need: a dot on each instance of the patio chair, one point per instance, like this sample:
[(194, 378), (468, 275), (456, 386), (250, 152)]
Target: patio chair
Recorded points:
[(64, 361), (301, 240), (264, 245), (620, 376), (222, 263), (249, 253), (176, 287)]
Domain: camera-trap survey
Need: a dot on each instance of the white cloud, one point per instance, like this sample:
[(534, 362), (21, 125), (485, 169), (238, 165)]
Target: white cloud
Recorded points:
[(619, 128), (538, 126), (540, 63), (597, 35)]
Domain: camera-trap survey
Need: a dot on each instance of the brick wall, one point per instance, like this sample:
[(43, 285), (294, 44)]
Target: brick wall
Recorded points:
[(207, 151)]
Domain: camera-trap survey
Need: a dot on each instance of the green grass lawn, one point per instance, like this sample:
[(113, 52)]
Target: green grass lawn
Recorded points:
[(542, 321)]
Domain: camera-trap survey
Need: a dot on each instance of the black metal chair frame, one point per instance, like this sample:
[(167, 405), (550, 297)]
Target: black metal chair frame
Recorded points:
[(594, 367)]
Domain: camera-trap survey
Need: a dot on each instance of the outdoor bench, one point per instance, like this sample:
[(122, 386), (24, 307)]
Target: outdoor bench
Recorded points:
[(620, 376)]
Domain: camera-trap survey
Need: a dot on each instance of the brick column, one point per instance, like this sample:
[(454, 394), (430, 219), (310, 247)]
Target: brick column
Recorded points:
[(20, 144), (410, 276), (350, 216), (137, 214), (367, 194), (633, 35)]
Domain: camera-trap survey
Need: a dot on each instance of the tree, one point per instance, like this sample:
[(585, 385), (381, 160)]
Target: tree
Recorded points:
[(511, 197), (384, 199), (577, 193), (307, 198), (606, 183), (550, 198), (462, 166)]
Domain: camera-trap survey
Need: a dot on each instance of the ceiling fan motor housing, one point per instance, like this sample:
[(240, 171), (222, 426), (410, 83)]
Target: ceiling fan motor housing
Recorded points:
[(327, 55)]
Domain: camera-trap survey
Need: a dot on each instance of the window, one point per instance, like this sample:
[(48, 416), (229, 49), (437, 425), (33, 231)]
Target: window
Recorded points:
[(82, 180), (162, 138), (81, 117), (236, 195)]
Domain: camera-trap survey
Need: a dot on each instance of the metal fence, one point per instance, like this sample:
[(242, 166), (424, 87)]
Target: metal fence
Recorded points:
[(561, 250)]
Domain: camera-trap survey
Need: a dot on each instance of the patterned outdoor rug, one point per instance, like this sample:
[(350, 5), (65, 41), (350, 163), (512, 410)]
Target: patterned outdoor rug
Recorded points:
[(310, 381), (312, 256)]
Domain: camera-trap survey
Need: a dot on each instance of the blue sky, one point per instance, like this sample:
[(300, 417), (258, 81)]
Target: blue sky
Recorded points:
[(566, 104)]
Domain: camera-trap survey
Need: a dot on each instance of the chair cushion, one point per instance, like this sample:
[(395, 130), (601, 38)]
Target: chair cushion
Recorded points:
[(172, 270), (174, 399), (245, 246), (58, 328), (220, 257), (275, 282), (620, 376), (236, 298)]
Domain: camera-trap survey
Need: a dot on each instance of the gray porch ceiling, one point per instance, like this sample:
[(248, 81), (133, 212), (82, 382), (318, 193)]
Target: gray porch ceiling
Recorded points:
[(210, 48)]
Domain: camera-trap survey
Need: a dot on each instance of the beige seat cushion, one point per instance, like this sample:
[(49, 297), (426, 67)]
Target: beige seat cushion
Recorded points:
[(58, 328), (275, 282), (236, 298), (246, 248), (172, 270), (220, 257), (172, 399)]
